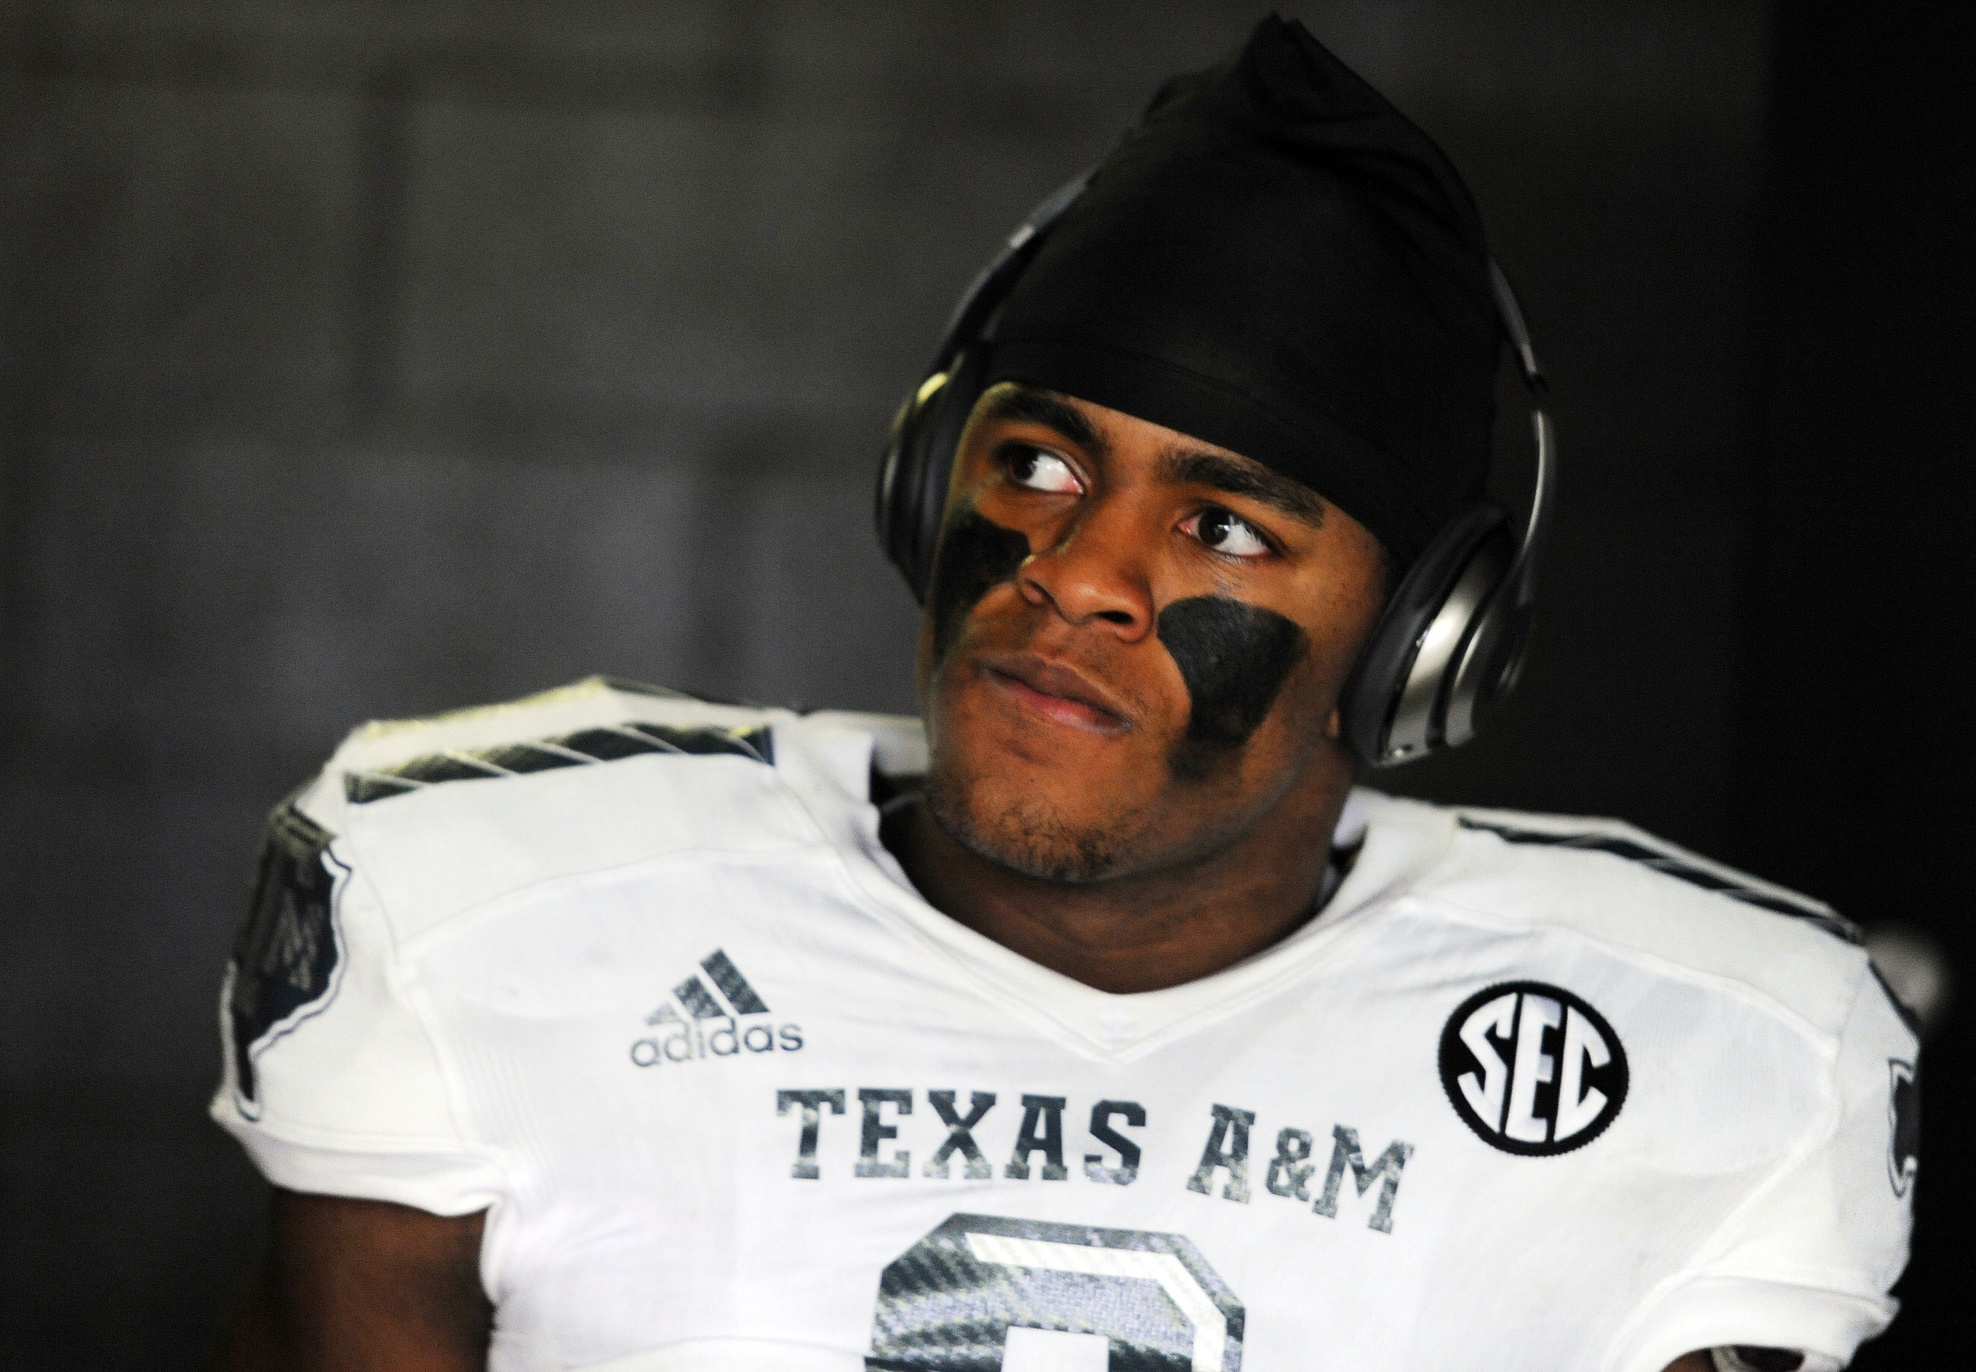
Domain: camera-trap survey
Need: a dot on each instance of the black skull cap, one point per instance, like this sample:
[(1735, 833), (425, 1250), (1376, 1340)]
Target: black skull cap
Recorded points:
[(1278, 262)]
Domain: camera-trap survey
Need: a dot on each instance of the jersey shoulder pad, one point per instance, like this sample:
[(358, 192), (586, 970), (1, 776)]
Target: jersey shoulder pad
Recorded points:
[(442, 815), (1608, 880), (599, 719), (1575, 834)]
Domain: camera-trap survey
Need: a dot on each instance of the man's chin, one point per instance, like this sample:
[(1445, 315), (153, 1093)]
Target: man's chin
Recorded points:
[(1026, 835)]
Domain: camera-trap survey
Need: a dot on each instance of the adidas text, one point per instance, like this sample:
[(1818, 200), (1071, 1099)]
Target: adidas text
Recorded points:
[(695, 1042)]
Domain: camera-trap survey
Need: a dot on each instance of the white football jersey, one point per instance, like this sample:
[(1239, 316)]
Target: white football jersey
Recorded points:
[(633, 973)]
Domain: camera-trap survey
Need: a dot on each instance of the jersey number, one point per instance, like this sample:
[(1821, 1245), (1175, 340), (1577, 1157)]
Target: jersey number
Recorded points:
[(948, 1303)]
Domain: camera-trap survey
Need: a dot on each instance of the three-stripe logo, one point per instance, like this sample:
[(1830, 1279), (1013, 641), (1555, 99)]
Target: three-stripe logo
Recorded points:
[(714, 1013)]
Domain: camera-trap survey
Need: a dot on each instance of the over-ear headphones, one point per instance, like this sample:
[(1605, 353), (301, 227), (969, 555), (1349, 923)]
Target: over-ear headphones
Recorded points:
[(1451, 642)]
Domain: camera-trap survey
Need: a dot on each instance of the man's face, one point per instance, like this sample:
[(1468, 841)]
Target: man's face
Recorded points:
[(1134, 642)]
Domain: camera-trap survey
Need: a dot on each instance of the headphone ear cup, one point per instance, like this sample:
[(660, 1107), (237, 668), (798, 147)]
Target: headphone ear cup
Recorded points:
[(1394, 707), (927, 462), (900, 477)]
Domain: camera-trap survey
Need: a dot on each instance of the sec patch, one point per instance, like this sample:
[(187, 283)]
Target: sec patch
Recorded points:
[(1532, 1068)]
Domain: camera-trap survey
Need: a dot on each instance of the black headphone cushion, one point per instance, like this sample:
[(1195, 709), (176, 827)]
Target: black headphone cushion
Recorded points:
[(919, 463), (897, 496)]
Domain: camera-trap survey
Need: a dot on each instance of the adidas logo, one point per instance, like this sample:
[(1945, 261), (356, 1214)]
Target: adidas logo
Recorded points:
[(699, 1021)]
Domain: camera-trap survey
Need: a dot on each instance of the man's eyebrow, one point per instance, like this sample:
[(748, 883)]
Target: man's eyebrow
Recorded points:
[(1027, 406), (1195, 468)]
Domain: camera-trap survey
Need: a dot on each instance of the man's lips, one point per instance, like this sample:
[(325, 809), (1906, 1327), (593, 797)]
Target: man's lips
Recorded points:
[(1057, 692)]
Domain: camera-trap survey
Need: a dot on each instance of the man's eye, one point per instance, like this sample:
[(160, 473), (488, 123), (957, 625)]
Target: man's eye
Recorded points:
[(1226, 533), (1036, 470)]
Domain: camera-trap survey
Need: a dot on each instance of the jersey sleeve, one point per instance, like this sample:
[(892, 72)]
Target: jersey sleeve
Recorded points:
[(331, 1078), (1807, 1259)]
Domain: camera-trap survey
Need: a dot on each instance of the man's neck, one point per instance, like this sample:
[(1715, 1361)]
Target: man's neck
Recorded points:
[(1134, 933)]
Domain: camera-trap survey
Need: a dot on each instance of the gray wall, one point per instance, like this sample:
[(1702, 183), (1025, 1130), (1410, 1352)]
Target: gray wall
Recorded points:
[(362, 360)]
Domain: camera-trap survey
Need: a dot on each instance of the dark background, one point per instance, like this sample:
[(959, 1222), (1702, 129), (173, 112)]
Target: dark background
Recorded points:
[(365, 359)]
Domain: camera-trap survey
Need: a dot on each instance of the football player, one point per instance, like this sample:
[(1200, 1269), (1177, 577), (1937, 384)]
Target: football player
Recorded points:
[(1102, 1022)]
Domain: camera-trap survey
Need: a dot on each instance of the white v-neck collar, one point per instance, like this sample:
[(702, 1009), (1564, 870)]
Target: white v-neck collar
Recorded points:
[(1398, 840)]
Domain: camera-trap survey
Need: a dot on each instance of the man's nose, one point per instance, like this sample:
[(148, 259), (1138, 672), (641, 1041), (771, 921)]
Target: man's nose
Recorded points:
[(1097, 572)]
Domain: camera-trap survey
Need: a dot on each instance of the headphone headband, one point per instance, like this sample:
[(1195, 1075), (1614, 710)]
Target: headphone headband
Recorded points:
[(991, 285)]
